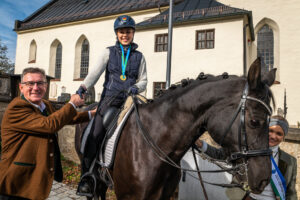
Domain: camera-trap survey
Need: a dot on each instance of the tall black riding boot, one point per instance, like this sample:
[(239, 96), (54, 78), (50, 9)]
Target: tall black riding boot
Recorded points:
[(87, 183)]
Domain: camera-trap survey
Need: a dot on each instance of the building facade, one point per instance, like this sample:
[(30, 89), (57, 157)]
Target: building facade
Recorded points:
[(65, 38)]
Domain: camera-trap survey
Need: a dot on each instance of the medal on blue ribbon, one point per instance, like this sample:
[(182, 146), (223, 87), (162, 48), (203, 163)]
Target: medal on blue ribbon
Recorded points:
[(124, 62)]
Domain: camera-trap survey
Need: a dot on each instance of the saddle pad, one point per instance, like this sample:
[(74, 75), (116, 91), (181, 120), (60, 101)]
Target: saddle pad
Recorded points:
[(111, 144)]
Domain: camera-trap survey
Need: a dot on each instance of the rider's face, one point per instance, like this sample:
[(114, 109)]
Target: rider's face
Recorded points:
[(276, 135), (125, 35)]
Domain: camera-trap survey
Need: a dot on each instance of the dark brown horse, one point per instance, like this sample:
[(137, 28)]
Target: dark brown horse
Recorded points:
[(176, 119)]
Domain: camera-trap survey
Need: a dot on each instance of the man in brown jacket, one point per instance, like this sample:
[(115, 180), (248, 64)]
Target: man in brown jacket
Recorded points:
[(30, 157)]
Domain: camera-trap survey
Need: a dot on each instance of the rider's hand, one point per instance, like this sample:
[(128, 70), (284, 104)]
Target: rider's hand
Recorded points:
[(81, 91), (133, 90), (77, 100)]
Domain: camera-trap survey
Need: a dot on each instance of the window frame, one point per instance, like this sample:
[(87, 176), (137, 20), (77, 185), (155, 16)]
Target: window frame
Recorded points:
[(264, 49), (84, 59), (32, 52), (164, 44), (162, 87), (58, 66), (197, 40)]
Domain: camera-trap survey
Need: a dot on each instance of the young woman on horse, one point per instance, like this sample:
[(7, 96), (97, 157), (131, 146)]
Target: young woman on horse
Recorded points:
[(125, 73), (287, 164)]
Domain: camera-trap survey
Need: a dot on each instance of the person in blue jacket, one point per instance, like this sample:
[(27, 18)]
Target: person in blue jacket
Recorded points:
[(125, 74)]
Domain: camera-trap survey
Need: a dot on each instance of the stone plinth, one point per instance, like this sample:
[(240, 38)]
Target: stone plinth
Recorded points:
[(66, 140)]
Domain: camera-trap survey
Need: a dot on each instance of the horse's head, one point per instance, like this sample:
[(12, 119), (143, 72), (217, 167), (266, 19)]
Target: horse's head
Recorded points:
[(244, 134)]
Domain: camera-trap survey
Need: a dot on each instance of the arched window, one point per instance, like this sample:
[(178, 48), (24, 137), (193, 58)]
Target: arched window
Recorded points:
[(265, 47), (55, 65), (84, 63), (58, 59), (32, 52)]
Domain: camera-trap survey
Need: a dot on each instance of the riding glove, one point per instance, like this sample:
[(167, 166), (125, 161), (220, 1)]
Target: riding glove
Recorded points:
[(81, 90), (133, 90)]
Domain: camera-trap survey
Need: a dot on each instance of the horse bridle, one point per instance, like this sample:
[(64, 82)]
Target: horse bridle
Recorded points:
[(243, 152), (243, 144)]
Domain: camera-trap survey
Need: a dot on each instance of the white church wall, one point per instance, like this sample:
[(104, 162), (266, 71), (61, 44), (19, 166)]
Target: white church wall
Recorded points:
[(286, 15), (226, 56)]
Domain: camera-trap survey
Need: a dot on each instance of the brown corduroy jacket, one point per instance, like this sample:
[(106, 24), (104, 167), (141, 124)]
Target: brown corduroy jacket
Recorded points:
[(27, 160)]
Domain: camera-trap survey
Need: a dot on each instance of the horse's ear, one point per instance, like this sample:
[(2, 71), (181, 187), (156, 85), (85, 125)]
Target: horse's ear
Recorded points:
[(269, 78), (254, 74)]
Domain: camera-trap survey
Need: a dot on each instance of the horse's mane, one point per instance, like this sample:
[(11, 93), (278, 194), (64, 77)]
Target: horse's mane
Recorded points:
[(186, 84)]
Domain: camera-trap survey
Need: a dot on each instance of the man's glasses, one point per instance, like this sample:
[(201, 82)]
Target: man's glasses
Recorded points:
[(31, 84)]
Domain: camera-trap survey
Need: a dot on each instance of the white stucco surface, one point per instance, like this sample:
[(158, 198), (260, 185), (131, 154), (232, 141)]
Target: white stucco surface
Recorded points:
[(227, 55)]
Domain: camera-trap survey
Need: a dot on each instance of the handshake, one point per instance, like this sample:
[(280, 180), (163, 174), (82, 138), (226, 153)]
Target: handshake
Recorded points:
[(78, 98)]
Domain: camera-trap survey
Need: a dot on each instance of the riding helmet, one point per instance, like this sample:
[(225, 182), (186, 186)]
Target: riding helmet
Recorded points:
[(124, 21)]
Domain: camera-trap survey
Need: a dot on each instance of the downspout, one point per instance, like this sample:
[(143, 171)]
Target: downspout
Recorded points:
[(245, 50)]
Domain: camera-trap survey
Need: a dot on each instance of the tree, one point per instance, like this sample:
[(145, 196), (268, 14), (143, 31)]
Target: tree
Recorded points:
[(6, 66)]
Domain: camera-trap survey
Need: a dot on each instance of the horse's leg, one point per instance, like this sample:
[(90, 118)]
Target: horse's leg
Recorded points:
[(170, 188)]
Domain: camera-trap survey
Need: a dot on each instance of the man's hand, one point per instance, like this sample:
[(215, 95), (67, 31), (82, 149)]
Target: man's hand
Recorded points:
[(93, 112), (77, 100)]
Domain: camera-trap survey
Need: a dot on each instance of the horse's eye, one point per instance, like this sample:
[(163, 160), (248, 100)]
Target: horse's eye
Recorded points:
[(254, 123)]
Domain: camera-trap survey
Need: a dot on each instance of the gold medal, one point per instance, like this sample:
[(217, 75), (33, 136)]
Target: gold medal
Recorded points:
[(123, 77)]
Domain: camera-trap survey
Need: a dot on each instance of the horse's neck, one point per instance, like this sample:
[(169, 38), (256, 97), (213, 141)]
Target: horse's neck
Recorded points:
[(181, 117)]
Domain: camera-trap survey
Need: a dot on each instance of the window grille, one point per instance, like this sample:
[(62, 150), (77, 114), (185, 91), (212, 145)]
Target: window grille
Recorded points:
[(158, 87), (84, 63), (58, 60), (265, 48), (205, 39), (161, 42)]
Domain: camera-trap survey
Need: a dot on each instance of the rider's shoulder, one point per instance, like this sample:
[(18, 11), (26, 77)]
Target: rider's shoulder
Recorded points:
[(286, 156)]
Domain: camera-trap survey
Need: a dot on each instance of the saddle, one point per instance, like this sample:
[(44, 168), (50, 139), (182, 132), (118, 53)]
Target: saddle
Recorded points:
[(115, 126), (113, 121)]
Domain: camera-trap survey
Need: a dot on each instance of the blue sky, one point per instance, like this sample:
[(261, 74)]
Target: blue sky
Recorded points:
[(11, 10)]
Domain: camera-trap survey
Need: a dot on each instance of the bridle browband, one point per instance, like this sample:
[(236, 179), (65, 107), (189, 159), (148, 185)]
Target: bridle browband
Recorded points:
[(244, 152)]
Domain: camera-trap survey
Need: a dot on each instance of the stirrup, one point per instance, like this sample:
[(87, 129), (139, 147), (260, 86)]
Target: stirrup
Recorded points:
[(88, 175)]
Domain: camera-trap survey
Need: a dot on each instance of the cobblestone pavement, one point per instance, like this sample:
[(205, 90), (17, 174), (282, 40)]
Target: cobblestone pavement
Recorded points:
[(61, 191)]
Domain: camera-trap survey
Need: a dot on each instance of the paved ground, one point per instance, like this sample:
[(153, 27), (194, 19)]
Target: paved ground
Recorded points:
[(61, 191)]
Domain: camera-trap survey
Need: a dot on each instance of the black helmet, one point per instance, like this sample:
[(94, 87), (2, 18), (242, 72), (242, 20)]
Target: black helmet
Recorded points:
[(124, 21)]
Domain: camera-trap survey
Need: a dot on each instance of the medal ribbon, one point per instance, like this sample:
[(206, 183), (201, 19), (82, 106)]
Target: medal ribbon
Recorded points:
[(124, 63), (278, 182)]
